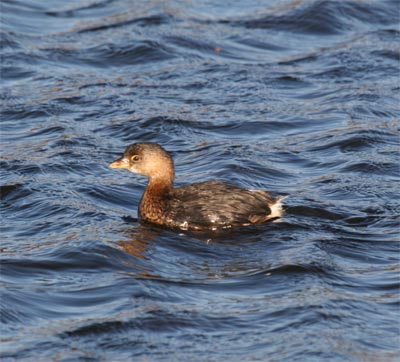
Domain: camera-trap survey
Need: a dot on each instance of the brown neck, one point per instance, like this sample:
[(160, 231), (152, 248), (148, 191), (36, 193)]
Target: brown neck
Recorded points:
[(155, 199), (159, 188)]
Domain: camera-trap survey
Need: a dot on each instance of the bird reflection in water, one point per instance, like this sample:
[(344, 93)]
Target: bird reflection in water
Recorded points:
[(136, 244)]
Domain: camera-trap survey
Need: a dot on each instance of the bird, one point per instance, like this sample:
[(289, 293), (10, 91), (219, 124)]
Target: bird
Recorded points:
[(203, 206)]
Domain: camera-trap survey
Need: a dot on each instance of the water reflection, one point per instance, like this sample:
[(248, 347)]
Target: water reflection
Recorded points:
[(137, 242)]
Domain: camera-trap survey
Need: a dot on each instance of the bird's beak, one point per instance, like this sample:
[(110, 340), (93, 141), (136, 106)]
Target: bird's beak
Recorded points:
[(120, 163)]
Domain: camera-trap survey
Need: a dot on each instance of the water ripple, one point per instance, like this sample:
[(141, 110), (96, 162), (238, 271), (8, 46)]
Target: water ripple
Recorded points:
[(296, 97)]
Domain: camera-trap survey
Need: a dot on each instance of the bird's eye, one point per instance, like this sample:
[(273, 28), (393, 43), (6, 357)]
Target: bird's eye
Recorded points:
[(135, 158)]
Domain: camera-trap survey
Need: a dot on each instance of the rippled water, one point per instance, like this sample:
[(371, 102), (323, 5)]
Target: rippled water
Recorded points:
[(297, 97)]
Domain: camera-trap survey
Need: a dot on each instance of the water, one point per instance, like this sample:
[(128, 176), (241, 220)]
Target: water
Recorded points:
[(297, 97)]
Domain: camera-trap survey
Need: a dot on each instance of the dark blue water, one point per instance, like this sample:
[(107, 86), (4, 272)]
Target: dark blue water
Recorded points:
[(297, 97)]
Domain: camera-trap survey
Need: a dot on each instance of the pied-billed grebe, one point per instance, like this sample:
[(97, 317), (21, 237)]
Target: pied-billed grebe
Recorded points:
[(208, 205)]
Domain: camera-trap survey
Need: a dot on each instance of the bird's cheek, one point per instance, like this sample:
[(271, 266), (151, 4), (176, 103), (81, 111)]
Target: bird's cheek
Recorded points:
[(133, 168)]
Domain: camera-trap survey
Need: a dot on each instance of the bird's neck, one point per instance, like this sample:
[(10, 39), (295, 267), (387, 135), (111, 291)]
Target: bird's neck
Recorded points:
[(155, 199), (159, 187)]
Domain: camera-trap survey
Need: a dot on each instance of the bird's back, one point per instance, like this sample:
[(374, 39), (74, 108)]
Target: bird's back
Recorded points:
[(217, 204)]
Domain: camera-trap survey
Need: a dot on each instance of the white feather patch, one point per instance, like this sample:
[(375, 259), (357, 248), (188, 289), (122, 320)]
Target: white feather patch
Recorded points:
[(277, 209)]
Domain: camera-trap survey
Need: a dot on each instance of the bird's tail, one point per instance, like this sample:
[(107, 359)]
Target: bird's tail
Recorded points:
[(277, 208)]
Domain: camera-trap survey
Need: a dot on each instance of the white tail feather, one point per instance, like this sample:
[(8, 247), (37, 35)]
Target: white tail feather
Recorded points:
[(276, 209)]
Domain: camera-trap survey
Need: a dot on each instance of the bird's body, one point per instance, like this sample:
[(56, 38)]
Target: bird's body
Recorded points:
[(208, 205)]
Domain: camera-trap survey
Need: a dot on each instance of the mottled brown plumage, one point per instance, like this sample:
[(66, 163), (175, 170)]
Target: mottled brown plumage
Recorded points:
[(208, 205)]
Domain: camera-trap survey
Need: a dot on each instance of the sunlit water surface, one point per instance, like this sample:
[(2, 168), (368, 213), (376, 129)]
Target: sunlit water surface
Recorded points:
[(297, 97)]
